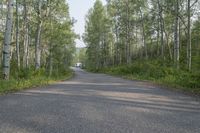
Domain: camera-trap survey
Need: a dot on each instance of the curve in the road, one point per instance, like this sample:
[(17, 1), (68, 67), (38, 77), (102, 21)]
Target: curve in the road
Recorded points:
[(98, 103)]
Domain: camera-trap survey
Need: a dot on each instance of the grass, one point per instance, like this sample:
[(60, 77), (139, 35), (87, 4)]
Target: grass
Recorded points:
[(159, 74), (32, 79)]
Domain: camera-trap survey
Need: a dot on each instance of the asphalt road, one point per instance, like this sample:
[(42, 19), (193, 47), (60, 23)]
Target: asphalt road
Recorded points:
[(98, 103)]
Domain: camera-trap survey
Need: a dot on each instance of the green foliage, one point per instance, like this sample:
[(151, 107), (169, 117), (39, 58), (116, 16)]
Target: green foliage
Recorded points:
[(80, 56), (142, 42), (97, 36), (32, 78), (56, 40), (151, 70)]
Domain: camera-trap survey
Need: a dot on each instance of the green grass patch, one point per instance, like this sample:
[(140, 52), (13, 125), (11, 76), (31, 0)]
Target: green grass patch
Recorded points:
[(161, 74), (30, 78)]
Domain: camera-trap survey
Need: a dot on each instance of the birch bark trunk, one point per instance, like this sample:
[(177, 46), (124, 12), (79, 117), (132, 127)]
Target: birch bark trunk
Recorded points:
[(176, 37), (37, 45), (17, 36), (189, 45), (26, 37), (7, 41)]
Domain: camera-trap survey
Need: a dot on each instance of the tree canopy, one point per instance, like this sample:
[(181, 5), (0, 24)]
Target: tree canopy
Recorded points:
[(122, 32), (41, 35)]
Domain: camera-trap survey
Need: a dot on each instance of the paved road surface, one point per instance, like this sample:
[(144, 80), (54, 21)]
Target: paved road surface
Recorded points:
[(97, 103)]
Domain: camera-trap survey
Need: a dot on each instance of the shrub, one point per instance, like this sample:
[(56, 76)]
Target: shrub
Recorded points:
[(27, 78), (156, 71)]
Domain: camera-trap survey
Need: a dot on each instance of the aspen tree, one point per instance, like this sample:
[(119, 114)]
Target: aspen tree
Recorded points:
[(7, 41)]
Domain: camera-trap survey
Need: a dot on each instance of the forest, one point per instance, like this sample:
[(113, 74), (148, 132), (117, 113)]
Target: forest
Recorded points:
[(100, 66), (37, 43), (156, 40)]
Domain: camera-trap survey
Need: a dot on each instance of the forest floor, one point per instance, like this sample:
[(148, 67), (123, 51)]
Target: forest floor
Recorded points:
[(99, 103)]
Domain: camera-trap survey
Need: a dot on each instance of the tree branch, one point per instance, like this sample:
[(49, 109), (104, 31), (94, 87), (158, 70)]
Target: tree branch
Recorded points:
[(194, 3)]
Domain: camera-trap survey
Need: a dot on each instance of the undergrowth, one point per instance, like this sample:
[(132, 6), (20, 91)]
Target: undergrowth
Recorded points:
[(158, 73), (28, 78)]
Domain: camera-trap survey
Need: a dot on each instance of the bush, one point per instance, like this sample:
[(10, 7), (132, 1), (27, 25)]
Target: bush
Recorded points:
[(27, 78), (156, 71)]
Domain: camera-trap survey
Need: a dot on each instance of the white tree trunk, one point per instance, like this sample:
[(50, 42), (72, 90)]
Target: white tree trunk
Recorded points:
[(144, 36), (38, 47), (189, 45), (161, 21), (38, 35), (176, 37), (26, 37), (17, 36), (7, 41)]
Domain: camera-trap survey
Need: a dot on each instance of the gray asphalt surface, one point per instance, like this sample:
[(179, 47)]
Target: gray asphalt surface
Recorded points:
[(98, 103)]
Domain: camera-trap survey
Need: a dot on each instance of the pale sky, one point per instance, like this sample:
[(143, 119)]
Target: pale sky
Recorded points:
[(78, 10)]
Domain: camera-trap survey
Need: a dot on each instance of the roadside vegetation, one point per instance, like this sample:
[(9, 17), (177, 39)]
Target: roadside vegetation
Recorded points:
[(32, 78), (156, 40), (161, 75), (37, 43)]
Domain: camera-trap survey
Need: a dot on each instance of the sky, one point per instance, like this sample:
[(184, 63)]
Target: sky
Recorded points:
[(78, 10)]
